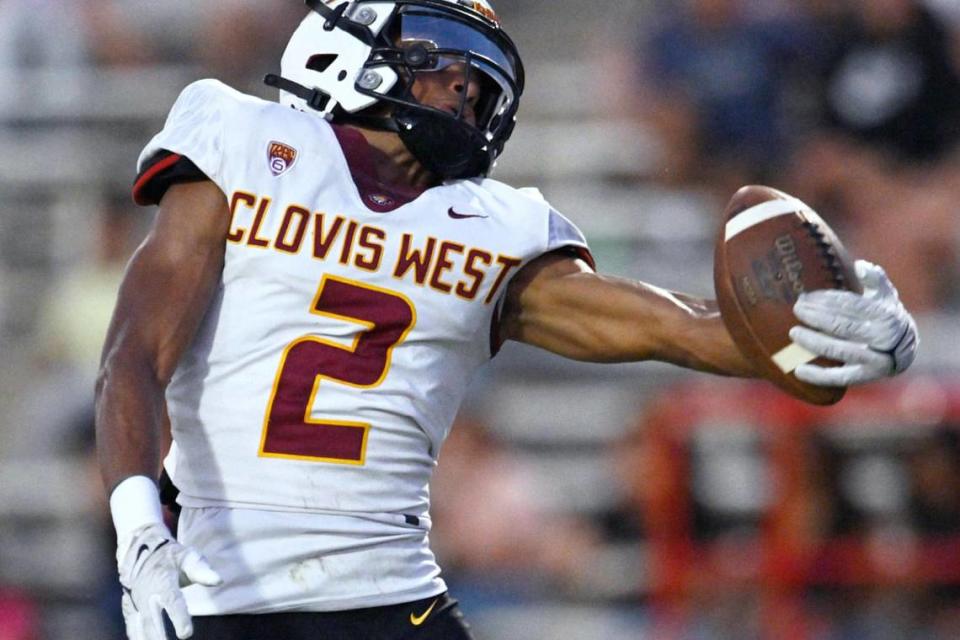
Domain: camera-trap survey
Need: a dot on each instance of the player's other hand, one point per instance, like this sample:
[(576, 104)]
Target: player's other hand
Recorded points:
[(153, 567), (872, 334)]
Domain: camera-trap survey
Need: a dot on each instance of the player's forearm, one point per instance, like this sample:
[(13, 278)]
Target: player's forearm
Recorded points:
[(696, 338), (129, 419), (644, 322), (597, 318)]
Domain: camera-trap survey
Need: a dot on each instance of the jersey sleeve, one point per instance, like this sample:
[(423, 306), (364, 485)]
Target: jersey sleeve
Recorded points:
[(191, 145), (563, 235)]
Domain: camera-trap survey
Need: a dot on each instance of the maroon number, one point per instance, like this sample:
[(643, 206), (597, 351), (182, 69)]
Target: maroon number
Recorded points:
[(289, 431)]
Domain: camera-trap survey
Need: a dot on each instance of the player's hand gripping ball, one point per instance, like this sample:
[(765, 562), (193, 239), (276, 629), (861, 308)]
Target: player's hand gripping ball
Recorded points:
[(778, 262), (872, 334)]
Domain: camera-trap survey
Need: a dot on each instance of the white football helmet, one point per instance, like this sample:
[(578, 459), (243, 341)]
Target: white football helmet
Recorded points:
[(350, 55)]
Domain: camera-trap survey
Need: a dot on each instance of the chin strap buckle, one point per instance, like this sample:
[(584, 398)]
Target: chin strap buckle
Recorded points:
[(314, 98)]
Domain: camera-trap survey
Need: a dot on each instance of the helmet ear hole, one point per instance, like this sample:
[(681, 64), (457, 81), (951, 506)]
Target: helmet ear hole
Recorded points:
[(321, 61)]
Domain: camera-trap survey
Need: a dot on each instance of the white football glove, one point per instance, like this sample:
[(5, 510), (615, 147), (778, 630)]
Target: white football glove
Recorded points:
[(153, 567), (872, 334)]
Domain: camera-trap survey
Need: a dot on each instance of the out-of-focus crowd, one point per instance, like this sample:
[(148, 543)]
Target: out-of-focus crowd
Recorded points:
[(233, 40), (852, 105)]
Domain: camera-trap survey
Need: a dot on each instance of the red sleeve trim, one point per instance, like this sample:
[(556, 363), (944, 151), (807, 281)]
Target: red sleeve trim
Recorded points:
[(138, 195), (584, 254)]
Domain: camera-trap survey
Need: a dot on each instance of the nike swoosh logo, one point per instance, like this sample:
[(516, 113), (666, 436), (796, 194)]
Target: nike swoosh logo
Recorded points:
[(140, 551), (137, 564), (419, 620), (463, 216), (140, 559)]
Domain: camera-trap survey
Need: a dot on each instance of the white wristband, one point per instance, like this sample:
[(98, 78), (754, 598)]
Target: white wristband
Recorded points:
[(135, 503)]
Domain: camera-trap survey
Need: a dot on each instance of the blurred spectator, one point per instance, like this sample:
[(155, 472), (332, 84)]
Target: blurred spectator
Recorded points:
[(878, 157), (720, 80), (642, 476), (949, 10), (853, 107), (244, 40), (78, 309), (935, 487), (41, 33), (118, 38), (890, 81), (712, 84), (70, 333), (235, 41), (19, 618), (496, 540)]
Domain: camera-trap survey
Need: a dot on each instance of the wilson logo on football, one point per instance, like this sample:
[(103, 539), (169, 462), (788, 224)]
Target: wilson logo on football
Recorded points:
[(280, 157)]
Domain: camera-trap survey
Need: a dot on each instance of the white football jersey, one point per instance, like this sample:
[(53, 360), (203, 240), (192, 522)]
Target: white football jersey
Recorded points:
[(310, 408)]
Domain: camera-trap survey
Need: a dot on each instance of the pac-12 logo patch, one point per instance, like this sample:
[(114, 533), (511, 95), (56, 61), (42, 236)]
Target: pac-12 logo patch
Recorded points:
[(280, 157)]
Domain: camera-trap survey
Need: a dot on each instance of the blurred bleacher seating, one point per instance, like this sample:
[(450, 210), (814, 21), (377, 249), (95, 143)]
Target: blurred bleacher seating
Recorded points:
[(70, 135)]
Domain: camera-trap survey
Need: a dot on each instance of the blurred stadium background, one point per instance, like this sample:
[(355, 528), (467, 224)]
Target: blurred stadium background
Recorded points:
[(572, 501)]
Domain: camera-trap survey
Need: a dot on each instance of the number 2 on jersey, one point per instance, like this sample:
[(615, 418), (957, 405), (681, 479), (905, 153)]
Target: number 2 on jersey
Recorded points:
[(289, 431)]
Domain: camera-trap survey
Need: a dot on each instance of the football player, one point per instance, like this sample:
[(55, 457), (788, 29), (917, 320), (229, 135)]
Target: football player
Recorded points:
[(322, 279)]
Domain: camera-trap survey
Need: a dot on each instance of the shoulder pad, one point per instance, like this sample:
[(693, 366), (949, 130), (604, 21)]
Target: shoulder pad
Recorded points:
[(195, 126)]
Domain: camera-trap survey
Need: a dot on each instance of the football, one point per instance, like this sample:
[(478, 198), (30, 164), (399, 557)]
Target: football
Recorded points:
[(771, 248)]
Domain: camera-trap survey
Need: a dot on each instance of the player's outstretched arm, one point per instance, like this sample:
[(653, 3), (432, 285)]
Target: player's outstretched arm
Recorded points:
[(164, 295), (558, 303)]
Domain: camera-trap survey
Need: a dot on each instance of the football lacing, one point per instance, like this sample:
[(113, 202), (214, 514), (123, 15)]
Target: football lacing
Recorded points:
[(828, 252)]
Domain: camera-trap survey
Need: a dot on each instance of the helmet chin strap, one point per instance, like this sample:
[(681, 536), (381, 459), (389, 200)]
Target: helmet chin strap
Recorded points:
[(378, 123), (314, 98)]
